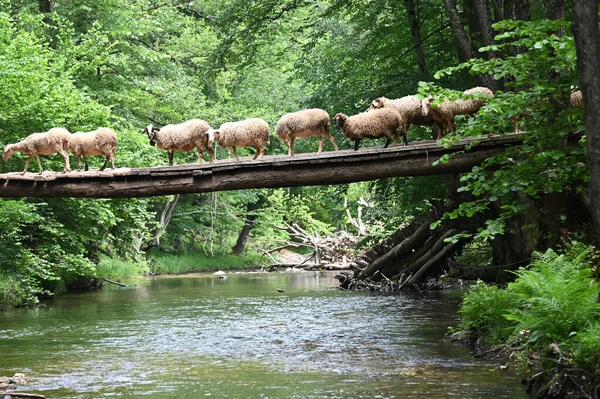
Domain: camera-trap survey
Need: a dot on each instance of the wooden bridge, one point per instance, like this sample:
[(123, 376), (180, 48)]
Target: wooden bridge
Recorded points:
[(347, 166)]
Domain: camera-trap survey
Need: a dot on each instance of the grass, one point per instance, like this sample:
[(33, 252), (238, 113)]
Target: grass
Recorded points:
[(118, 269), (198, 261)]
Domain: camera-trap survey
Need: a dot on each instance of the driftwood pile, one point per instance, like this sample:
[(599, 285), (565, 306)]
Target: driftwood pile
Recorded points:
[(329, 253), (407, 259)]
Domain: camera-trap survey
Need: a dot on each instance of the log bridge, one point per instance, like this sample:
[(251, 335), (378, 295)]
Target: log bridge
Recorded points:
[(326, 168)]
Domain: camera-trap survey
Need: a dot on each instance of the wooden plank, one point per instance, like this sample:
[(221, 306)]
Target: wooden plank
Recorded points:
[(326, 168)]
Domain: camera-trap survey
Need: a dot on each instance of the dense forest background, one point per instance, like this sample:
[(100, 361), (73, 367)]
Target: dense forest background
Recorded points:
[(128, 63)]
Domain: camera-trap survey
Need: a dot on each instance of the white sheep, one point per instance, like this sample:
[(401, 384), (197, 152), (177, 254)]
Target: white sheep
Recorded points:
[(252, 132), (102, 141), (379, 122), (410, 109), (305, 123), (55, 140), (444, 113), (182, 137)]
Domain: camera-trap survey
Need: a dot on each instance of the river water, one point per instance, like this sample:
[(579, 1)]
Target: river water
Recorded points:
[(277, 335)]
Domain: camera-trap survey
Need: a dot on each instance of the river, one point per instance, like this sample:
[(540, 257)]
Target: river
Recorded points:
[(277, 335)]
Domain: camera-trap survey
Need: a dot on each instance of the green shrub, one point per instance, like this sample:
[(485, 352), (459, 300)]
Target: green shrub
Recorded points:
[(118, 269), (482, 315), (585, 348), (196, 261), (557, 296)]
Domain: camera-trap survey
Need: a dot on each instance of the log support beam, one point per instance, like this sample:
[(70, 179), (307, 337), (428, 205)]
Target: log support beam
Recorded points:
[(328, 168)]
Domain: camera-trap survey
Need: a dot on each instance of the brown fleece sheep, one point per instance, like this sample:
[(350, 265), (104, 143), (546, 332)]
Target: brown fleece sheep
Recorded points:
[(380, 122), (102, 141), (252, 132), (444, 114), (55, 140), (305, 123), (182, 137), (409, 108)]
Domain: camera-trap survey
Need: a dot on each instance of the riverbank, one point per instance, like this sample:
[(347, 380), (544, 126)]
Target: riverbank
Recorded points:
[(546, 323)]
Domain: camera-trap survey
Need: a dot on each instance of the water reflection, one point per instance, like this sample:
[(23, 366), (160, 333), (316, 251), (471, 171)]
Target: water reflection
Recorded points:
[(242, 337)]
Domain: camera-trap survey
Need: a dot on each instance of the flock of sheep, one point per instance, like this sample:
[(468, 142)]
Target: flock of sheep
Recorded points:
[(385, 117)]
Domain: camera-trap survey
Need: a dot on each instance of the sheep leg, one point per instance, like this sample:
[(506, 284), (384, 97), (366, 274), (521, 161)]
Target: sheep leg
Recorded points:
[(199, 155), (66, 158), (259, 151), (27, 163), (39, 163), (356, 142), (211, 154), (330, 138), (388, 140), (402, 132), (106, 163), (170, 158), (86, 167), (320, 143), (235, 153), (291, 147)]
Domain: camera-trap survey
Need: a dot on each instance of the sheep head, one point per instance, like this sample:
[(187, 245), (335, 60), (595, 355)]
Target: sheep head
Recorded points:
[(8, 151), (211, 135), (426, 106), (377, 103), (340, 120), (151, 131)]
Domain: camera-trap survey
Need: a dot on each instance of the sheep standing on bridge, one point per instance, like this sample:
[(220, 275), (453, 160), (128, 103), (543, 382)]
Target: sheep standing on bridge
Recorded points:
[(102, 141), (55, 140), (380, 122), (305, 123), (444, 113), (252, 132), (410, 109), (182, 137)]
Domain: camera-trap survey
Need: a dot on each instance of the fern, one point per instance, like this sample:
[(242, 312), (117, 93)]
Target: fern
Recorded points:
[(557, 296)]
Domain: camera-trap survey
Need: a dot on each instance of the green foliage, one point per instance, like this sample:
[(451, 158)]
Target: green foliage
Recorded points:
[(538, 70), (553, 301), (482, 315), (585, 347), (119, 269), (198, 261), (557, 296)]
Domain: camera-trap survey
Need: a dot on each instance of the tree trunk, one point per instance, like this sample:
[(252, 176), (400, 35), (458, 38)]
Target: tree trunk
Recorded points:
[(240, 244), (554, 9), (482, 8), (415, 32), (522, 12), (587, 43), (165, 219), (465, 50), (509, 10), (46, 6)]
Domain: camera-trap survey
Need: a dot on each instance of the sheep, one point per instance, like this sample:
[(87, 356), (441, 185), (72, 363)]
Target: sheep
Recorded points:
[(305, 123), (575, 101), (379, 122), (55, 140), (182, 137), (102, 141), (252, 132), (443, 114), (411, 110)]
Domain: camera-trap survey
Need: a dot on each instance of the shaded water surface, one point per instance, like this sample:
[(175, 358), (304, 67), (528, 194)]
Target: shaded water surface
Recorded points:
[(197, 336)]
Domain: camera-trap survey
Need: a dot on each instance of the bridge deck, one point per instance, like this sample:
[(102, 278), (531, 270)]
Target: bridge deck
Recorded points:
[(345, 166)]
